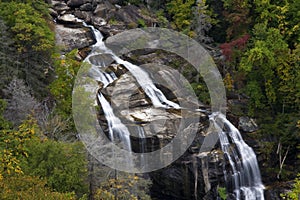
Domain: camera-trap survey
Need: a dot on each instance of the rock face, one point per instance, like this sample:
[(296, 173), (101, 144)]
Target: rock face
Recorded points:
[(73, 38), (107, 16), (247, 124), (194, 175)]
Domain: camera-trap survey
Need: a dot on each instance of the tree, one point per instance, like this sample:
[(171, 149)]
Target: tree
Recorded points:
[(8, 62), (66, 70), (202, 21), (29, 188), (181, 14), (237, 15), (124, 187), (12, 147), (62, 164), (33, 41), (294, 194), (262, 64), (20, 102)]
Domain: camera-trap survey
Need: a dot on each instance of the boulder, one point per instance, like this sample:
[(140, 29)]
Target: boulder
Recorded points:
[(247, 124), (84, 15), (77, 3), (73, 38), (101, 10), (53, 13), (98, 21), (86, 7), (69, 19), (60, 7)]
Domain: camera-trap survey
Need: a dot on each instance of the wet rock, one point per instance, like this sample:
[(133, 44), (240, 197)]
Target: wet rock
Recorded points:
[(73, 38), (247, 124)]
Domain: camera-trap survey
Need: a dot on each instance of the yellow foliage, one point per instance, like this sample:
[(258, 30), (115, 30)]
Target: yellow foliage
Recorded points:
[(13, 143), (228, 82)]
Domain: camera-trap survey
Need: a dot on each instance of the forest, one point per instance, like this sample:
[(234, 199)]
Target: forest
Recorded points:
[(256, 46)]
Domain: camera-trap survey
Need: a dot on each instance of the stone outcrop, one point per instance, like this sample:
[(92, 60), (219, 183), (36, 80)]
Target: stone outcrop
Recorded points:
[(73, 38), (107, 16), (194, 175)]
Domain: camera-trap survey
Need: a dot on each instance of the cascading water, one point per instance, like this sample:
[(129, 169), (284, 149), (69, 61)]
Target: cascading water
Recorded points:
[(117, 130), (243, 177), (157, 97)]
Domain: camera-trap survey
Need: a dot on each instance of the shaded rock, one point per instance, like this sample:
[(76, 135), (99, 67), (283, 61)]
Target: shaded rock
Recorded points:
[(101, 60), (77, 3), (109, 30), (53, 13), (247, 124), (98, 21), (116, 1), (72, 38), (84, 52), (84, 15), (103, 9), (60, 7), (86, 7), (131, 15)]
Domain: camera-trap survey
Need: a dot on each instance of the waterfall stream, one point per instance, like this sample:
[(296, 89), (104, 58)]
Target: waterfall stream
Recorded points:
[(243, 176)]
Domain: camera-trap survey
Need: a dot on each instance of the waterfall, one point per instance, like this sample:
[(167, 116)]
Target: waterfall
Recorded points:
[(243, 177), (118, 132), (157, 97)]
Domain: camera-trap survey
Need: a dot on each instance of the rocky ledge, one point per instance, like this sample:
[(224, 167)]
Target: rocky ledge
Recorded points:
[(107, 16)]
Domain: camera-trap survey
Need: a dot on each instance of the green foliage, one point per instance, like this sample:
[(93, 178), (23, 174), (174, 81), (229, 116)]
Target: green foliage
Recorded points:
[(181, 14), (294, 194), (222, 193), (4, 124), (66, 70), (62, 164), (201, 91), (267, 67), (8, 62), (162, 20), (141, 23), (26, 53), (29, 188), (12, 147), (129, 187), (30, 29)]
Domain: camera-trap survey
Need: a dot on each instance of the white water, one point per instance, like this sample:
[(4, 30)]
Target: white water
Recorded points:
[(243, 177), (117, 130), (157, 97)]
